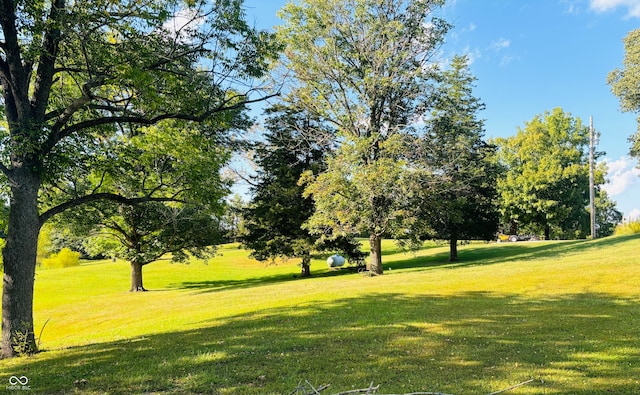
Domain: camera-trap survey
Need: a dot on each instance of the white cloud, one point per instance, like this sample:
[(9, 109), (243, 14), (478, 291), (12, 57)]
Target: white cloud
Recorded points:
[(572, 8), (622, 175), (505, 60), (633, 6), (184, 23), (634, 215), (502, 43)]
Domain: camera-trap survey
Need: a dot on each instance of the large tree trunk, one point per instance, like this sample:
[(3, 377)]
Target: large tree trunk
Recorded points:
[(19, 257), (453, 249), (306, 266), (513, 227), (375, 263), (136, 277), (547, 232)]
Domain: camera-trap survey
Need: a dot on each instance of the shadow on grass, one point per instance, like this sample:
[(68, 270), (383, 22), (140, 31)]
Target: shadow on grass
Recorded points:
[(221, 285), (473, 343), (520, 251), (470, 255)]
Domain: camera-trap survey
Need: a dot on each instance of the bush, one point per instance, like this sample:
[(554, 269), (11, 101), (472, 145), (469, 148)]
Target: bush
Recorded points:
[(628, 228), (65, 258)]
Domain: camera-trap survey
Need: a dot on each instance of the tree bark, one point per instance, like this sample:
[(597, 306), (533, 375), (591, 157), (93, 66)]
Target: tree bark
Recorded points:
[(375, 262), (453, 249), (513, 228), (19, 257), (136, 277), (547, 232), (306, 266)]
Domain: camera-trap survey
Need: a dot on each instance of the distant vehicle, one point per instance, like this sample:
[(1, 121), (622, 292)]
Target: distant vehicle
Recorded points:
[(514, 238)]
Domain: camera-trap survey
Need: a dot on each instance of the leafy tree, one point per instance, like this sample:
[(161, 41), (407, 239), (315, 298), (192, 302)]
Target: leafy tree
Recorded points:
[(607, 214), (294, 144), (546, 183), (362, 65), (181, 164), (460, 198), (79, 78), (625, 83), (232, 221), (144, 232)]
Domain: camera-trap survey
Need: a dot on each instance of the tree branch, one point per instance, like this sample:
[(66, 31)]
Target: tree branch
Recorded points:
[(121, 235), (316, 391), (103, 196), (4, 70), (46, 63), (5, 170), (16, 79), (54, 138), (76, 105)]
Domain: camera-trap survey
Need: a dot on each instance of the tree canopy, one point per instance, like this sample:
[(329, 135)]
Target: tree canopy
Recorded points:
[(364, 66), (80, 78), (459, 198), (278, 209), (546, 183), (295, 142), (177, 164), (625, 83)]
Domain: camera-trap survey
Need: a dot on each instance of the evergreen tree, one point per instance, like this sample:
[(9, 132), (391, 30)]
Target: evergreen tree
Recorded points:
[(460, 198), (294, 143), (363, 65), (607, 214)]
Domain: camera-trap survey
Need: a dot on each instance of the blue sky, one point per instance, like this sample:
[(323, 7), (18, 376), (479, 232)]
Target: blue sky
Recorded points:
[(531, 56)]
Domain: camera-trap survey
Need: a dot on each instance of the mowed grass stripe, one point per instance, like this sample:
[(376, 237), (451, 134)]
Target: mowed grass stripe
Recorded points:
[(566, 313)]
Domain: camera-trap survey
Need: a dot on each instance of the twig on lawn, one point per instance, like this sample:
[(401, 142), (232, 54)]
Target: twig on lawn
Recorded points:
[(374, 390), (420, 393), (512, 387), (366, 391), (304, 388)]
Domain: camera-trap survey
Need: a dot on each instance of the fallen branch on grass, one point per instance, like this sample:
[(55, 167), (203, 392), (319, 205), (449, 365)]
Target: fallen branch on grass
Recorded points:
[(308, 389), (513, 386), (374, 390), (307, 386), (361, 391)]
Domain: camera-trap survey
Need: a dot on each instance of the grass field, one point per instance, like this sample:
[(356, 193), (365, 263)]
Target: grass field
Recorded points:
[(566, 314)]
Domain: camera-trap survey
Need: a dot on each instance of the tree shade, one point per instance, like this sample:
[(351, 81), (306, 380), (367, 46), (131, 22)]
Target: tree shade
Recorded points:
[(81, 76)]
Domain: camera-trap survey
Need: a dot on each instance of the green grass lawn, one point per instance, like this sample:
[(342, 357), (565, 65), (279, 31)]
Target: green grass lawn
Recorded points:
[(564, 313)]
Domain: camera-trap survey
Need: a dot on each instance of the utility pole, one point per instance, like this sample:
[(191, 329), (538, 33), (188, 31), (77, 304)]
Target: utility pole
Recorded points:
[(592, 190)]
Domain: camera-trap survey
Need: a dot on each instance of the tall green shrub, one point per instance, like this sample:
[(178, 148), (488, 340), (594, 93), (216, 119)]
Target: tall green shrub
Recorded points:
[(65, 258), (628, 228)]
